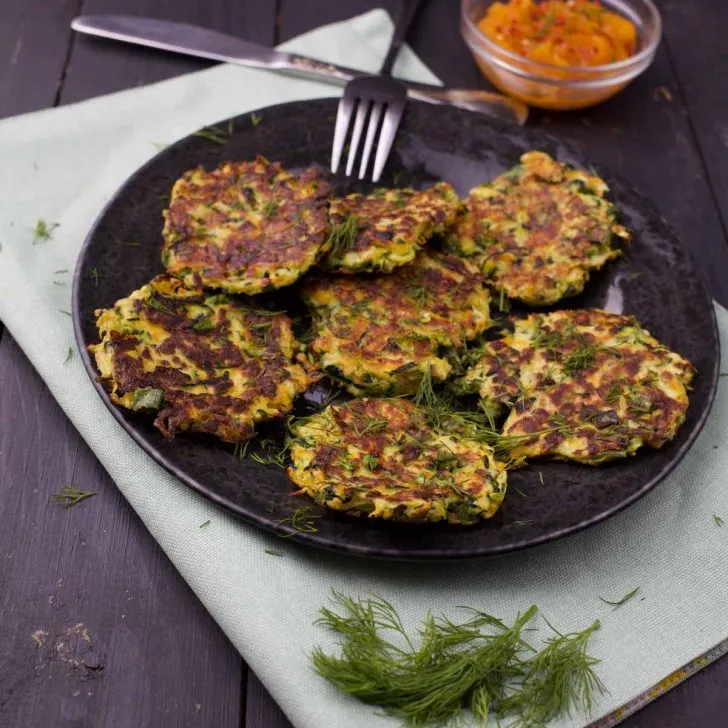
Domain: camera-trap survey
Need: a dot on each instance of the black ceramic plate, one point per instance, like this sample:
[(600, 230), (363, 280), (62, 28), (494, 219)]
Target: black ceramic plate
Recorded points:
[(657, 281)]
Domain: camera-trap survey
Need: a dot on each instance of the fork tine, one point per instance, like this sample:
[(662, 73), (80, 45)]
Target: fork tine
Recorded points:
[(343, 119), (386, 138), (374, 118), (361, 117)]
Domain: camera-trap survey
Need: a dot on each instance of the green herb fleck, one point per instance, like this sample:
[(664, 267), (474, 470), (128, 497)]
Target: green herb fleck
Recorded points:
[(213, 134), (419, 293), (68, 313), (273, 553), (147, 398), (69, 356), (205, 524), (370, 462), (95, 275), (301, 520), (623, 600), (62, 270), (718, 520), (255, 119), (69, 496), (269, 208), (43, 230), (343, 235), (155, 303), (581, 358)]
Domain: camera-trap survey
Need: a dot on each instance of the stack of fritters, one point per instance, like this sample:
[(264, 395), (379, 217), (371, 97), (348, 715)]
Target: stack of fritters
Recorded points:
[(403, 287)]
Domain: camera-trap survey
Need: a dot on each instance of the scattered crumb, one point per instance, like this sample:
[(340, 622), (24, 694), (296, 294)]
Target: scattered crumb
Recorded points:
[(198, 707), (662, 91), (39, 637)]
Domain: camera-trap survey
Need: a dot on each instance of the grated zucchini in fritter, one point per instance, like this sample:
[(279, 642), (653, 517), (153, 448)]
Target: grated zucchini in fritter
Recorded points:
[(246, 227), (381, 334), (385, 229), (584, 385), (381, 459), (203, 361), (538, 230)]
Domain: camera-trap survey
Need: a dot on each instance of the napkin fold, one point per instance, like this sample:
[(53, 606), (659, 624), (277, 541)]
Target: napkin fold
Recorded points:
[(62, 165)]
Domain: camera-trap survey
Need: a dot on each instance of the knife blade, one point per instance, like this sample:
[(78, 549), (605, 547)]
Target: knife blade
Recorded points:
[(210, 44)]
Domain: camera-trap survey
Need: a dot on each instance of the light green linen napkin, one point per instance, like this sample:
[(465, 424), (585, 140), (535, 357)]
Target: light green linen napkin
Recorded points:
[(62, 166)]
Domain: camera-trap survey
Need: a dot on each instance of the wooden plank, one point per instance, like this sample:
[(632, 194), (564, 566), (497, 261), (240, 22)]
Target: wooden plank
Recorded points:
[(261, 710), (695, 34), (34, 40), (101, 66), (98, 628)]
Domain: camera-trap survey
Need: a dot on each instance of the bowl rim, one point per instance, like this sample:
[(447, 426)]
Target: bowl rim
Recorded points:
[(643, 55)]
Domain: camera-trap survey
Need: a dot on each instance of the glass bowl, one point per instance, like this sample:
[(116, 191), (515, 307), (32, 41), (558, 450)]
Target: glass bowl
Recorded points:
[(562, 87)]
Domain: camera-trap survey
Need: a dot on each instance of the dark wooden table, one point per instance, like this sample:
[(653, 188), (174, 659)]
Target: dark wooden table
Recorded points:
[(97, 627)]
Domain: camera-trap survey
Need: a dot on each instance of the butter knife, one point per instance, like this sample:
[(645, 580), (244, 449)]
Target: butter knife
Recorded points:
[(193, 40)]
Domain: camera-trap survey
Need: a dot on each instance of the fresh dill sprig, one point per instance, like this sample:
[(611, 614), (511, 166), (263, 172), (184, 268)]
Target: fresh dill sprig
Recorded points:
[(69, 356), (43, 230), (481, 664), (213, 134), (419, 293), (718, 520), (269, 208), (343, 235), (241, 449), (445, 413), (623, 600), (70, 496), (370, 462), (302, 520), (580, 358), (95, 275)]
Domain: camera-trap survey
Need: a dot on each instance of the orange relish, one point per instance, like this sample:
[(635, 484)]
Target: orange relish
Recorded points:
[(560, 32)]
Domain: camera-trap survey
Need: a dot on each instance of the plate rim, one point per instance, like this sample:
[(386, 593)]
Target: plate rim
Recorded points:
[(313, 540)]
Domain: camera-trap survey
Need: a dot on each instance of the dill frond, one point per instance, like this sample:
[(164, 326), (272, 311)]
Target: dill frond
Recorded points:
[(343, 235), (70, 496), (481, 664)]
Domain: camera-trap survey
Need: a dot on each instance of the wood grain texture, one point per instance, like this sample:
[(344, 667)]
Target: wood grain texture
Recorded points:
[(34, 39), (100, 66), (695, 34), (98, 628)]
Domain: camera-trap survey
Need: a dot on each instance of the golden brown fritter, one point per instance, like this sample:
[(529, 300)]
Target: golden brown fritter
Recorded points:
[(202, 361), (246, 227), (584, 385), (539, 229), (385, 229), (381, 334), (380, 458)]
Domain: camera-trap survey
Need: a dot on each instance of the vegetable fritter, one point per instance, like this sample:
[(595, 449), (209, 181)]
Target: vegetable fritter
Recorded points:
[(385, 229), (381, 334), (380, 458), (203, 361), (584, 385), (246, 227), (539, 229)]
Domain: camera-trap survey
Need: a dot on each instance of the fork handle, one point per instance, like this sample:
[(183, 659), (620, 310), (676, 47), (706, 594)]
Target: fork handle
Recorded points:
[(403, 23)]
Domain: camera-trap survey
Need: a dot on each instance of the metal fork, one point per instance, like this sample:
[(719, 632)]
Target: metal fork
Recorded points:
[(376, 94)]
